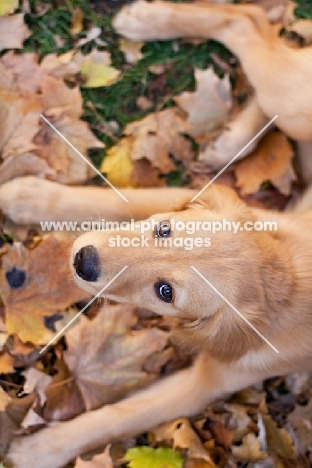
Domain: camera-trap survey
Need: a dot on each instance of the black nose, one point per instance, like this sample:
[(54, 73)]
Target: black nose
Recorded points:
[(87, 264)]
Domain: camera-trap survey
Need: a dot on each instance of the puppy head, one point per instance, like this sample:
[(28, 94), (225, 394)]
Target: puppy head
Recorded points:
[(176, 266)]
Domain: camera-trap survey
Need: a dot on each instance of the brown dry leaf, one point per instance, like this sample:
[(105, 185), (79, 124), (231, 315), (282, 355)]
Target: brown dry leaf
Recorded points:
[(22, 72), (271, 160), (106, 357), (250, 450), (60, 66), (23, 165), (13, 31), (77, 21), (95, 67), (208, 107), (155, 142), (159, 137), (63, 107), (301, 421), (183, 436), (7, 425), (6, 363), (279, 440), (35, 284), (103, 460), (19, 119), (131, 49), (64, 400)]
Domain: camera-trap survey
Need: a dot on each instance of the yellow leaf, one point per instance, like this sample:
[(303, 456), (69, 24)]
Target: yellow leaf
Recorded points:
[(77, 22), (118, 165), (96, 68), (8, 6)]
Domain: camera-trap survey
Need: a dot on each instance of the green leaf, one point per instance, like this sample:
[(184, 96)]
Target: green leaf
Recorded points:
[(147, 457)]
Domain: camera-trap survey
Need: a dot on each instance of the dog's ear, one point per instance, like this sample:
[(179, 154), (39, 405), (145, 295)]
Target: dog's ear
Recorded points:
[(220, 200)]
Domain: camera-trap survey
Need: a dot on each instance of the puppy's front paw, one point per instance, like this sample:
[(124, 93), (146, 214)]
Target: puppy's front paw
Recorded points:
[(46, 448), (142, 21), (25, 199)]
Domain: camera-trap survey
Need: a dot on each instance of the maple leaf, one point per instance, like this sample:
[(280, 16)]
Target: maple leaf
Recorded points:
[(63, 107), (208, 107), (154, 142), (23, 278), (271, 160), (19, 118), (123, 172), (148, 457), (106, 356), (13, 31), (22, 71), (22, 165), (60, 66), (96, 68)]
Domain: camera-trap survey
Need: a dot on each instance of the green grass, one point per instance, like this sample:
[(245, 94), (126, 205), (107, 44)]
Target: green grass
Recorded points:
[(304, 9)]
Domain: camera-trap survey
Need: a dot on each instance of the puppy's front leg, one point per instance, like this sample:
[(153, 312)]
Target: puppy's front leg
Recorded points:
[(182, 394)]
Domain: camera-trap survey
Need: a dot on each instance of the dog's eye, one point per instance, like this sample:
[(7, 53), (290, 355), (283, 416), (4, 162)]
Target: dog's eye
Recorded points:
[(164, 291), (163, 229)]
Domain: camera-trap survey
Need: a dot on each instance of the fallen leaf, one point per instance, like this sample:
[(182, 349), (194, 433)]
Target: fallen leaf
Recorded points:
[(19, 122), (8, 6), (13, 31), (117, 164), (271, 160), (183, 437), (148, 149), (25, 73), (279, 440), (301, 421), (60, 66), (63, 107), (24, 164), (24, 277), (131, 49), (106, 357), (6, 363), (250, 450), (77, 21), (96, 68), (103, 460), (209, 105), (147, 457)]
